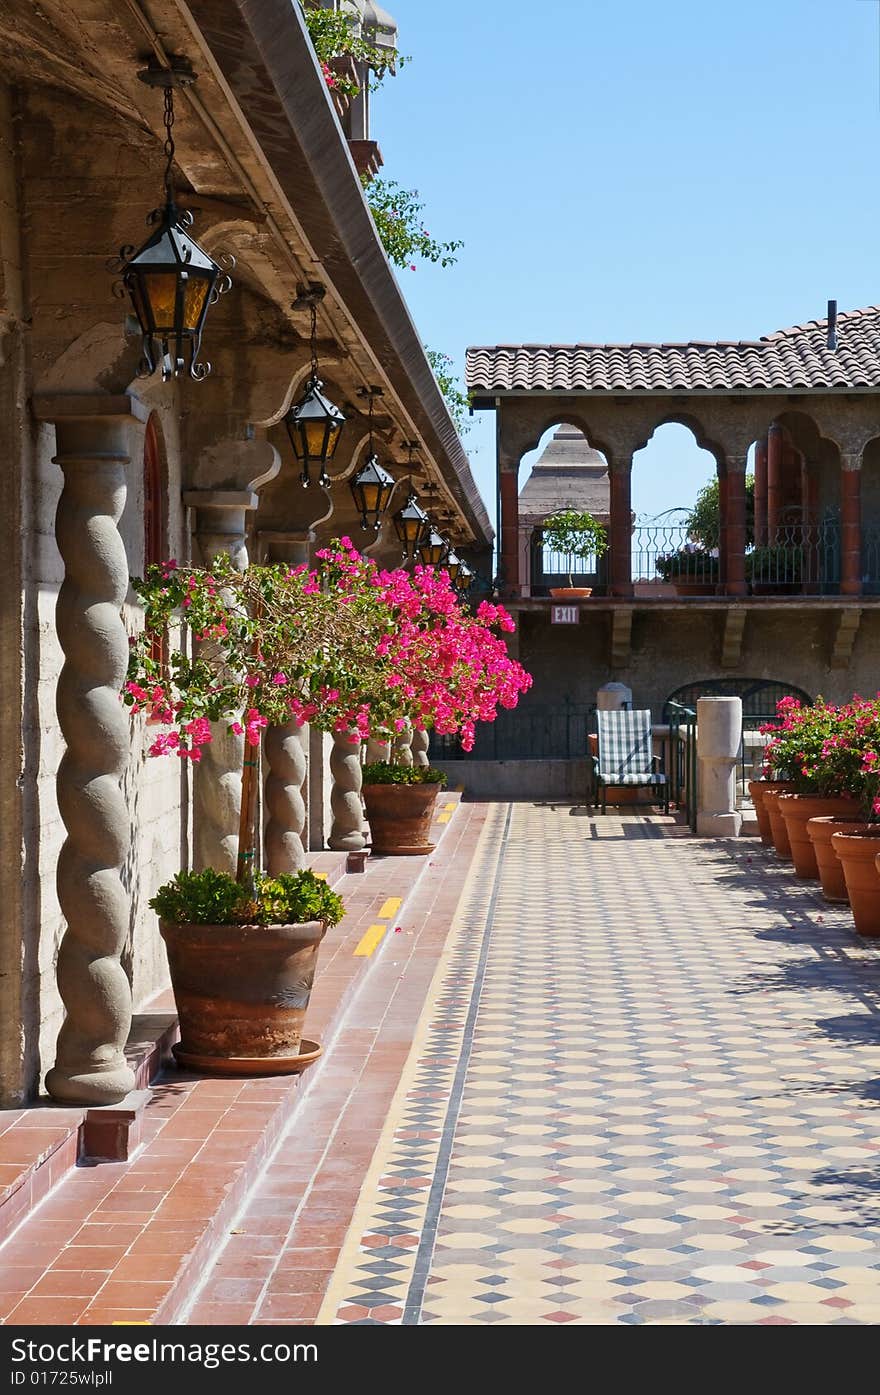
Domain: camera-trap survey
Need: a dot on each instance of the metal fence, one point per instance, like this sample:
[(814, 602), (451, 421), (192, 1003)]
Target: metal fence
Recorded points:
[(800, 558), (529, 732), (683, 760)]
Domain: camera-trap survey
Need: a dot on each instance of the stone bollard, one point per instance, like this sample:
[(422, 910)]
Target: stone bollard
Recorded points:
[(719, 731)]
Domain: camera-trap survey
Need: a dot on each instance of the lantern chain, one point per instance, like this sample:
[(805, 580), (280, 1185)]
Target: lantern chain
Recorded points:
[(169, 142), (313, 311)]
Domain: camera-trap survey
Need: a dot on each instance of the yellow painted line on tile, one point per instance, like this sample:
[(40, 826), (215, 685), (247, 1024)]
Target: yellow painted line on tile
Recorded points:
[(453, 805), (322, 876), (443, 818), (390, 907), (371, 939)]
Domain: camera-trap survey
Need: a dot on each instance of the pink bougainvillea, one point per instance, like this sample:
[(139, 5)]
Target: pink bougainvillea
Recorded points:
[(345, 645)]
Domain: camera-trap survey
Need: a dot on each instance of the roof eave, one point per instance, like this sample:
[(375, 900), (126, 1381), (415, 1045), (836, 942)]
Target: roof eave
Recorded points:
[(299, 137)]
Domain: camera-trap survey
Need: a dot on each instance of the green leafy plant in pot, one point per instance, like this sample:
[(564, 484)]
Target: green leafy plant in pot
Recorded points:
[(399, 802), (575, 535)]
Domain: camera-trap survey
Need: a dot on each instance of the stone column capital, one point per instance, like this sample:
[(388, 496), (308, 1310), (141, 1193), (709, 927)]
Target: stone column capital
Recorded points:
[(292, 546), (221, 522), (86, 406)]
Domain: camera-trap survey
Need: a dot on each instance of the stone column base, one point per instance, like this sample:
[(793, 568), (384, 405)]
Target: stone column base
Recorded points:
[(719, 825)]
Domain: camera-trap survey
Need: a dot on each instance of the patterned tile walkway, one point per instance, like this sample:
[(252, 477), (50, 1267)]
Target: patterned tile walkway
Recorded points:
[(644, 1090)]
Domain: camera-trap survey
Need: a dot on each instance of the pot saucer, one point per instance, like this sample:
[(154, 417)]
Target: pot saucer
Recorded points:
[(249, 1065)]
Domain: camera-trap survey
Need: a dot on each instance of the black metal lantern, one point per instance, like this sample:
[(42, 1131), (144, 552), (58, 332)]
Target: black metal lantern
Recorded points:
[(371, 489), (412, 526), (372, 486), (453, 565), (315, 424), (434, 549), (171, 280), (463, 578)]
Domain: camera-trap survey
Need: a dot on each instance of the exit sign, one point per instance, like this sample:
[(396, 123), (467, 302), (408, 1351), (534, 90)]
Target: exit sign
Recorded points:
[(565, 615)]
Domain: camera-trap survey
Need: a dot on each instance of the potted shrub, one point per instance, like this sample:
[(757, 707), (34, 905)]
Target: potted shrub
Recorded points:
[(399, 802), (242, 961), (817, 787), (691, 569), (775, 569), (575, 535)]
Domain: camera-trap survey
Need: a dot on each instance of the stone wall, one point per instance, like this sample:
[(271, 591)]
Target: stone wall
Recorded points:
[(671, 648)]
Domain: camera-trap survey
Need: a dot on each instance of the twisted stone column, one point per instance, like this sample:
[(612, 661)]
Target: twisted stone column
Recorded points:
[(376, 751), (220, 528), (347, 829), (285, 805), (90, 1065), (401, 753), (419, 747)]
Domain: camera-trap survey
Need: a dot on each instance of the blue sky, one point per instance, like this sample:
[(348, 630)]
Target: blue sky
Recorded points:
[(636, 171)]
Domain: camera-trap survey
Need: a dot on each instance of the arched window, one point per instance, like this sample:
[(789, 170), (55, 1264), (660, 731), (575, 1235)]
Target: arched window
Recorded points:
[(155, 528)]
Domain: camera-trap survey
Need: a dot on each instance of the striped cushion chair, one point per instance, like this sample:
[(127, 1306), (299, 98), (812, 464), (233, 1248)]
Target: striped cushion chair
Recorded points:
[(625, 757)]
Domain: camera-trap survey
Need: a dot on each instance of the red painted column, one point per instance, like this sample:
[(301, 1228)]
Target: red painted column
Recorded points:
[(509, 527), (775, 451), (810, 516), (722, 526), (735, 539), (621, 530), (761, 493), (851, 528)]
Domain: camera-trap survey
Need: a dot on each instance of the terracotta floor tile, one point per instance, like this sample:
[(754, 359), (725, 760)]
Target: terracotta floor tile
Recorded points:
[(69, 1283), (46, 1311), (292, 1279), (221, 1314), (289, 1307), (89, 1257)]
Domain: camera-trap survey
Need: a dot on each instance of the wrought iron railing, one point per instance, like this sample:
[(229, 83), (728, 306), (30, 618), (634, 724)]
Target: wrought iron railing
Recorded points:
[(683, 760), (538, 731)]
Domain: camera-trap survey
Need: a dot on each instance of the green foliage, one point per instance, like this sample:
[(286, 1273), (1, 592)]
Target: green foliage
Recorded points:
[(334, 35), (215, 898), (449, 383), (381, 773), (574, 534), (703, 523), (693, 563), (776, 564), (397, 214)]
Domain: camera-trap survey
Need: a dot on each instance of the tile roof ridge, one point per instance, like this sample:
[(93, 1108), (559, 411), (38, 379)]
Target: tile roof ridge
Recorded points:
[(863, 312)]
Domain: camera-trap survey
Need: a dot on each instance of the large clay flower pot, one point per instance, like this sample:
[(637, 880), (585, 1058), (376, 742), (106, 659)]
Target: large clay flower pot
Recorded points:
[(400, 818), (778, 831), (858, 851), (570, 593), (242, 993), (831, 876), (757, 790), (796, 809)]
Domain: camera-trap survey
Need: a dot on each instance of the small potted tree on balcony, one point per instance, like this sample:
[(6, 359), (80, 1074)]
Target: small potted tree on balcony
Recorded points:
[(578, 536)]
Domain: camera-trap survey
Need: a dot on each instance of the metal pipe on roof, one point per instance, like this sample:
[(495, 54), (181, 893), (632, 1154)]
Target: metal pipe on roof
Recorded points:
[(832, 324)]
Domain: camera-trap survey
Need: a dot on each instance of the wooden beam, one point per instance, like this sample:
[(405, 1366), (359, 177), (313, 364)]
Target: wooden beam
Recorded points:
[(734, 629), (845, 631)]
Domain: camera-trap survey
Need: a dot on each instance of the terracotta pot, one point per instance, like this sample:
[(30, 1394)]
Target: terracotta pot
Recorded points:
[(796, 809), (778, 831), (757, 790), (400, 818), (831, 876), (570, 593), (858, 852), (242, 993)]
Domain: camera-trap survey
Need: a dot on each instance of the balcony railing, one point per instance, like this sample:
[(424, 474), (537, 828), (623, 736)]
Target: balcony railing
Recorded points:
[(801, 559)]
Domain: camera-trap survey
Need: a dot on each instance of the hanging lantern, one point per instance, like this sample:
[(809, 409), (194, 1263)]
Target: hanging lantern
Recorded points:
[(371, 489), (372, 486), (171, 280), (463, 578), (314, 425), (433, 550), (453, 565), (412, 526)]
